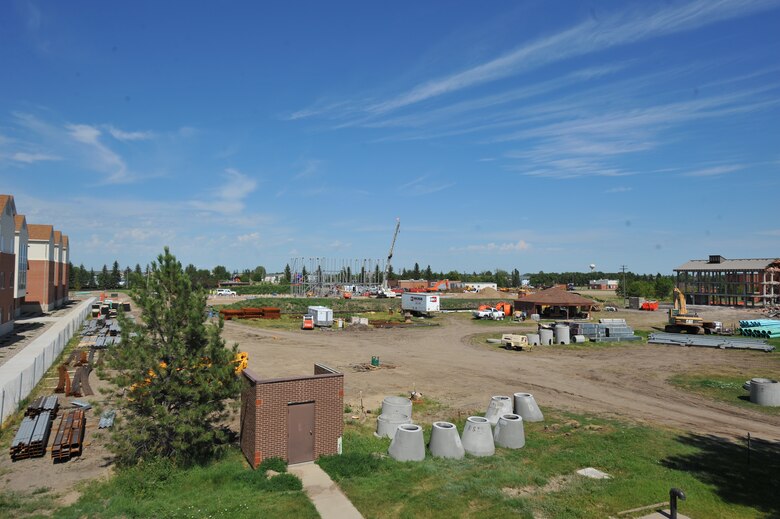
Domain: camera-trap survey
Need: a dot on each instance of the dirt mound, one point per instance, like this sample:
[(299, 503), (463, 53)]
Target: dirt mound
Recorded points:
[(492, 292)]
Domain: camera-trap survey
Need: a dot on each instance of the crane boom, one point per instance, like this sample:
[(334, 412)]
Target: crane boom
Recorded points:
[(386, 274)]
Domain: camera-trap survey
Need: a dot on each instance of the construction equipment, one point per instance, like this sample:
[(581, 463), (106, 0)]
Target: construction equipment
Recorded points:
[(439, 286), (308, 322), (680, 321), (516, 341), (384, 290)]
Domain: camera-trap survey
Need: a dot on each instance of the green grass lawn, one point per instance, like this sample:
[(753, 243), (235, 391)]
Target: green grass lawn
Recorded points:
[(539, 480), (726, 387), (225, 488)]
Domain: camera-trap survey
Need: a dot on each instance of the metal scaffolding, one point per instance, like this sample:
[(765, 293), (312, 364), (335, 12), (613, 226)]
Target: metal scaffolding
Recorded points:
[(323, 277)]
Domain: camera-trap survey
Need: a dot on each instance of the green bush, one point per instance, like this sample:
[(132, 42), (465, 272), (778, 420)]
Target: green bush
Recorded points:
[(275, 464), (350, 465), (283, 483)]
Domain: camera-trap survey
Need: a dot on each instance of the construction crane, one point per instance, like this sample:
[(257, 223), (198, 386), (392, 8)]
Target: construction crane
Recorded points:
[(385, 290)]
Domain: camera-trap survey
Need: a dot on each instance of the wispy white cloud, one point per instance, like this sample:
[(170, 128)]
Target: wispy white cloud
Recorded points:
[(587, 37), (420, 186), (518, 246), (30, 158), (715, 170), (98, 155), (124, 136), (228, 197), (250, 237), (619, 189), (310, 169)]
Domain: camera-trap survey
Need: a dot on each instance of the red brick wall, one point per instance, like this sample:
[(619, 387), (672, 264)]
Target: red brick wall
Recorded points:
[(40, 287), (7, 266), (56, 281), (264, 413)]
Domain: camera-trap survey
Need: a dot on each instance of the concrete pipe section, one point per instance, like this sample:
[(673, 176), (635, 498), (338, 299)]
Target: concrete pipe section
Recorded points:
[(579, 339), (445, 441), (562, 334), (509, 432), (545, 336), (533, 339), (499, 405), (526, 406), (478, 437), (408, 443), (764, 391), (397, 406), (387, 425)]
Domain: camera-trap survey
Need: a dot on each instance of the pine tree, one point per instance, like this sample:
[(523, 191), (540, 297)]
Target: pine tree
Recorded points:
[(287, 273), (176, 370), (115, 277)]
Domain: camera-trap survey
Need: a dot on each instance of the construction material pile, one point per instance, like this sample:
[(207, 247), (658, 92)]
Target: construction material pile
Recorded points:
[(105, 331), (708, 341), (761, 328), (68, 441), (266, 312), (33, 435), (606, 330)]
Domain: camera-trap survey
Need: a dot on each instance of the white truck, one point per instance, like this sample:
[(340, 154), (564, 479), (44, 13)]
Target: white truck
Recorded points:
[(488, 313), (420, 304)]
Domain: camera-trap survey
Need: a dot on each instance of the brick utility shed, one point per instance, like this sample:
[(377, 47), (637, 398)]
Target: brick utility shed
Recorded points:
[(297, 419)]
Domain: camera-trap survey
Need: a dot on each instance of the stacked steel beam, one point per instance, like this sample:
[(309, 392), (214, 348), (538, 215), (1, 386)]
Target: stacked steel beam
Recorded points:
[(33, 435), (709, 341), (68, 441)]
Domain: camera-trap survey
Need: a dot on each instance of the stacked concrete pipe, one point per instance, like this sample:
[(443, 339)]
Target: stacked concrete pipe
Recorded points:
[(499, 405), (386, 425), (525, 406), (445, 441), (478, 437), (408, 443), (509, 432), (396, 410), (764, 391), (533, 339)]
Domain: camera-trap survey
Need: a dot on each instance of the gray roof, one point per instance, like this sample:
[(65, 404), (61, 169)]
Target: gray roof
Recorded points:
[(727, 264)]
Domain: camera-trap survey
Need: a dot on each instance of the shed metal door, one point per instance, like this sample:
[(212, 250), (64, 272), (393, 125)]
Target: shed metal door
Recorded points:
[(300, 432)]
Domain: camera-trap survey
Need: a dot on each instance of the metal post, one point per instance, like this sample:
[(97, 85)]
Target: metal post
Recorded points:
[(674, 493)]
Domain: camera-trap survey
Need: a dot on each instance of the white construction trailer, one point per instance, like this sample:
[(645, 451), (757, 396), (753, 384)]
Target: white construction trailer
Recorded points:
[(420, 303), (323, 316)]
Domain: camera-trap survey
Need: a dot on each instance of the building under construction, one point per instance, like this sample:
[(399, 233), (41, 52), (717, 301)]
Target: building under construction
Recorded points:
[(324, 277), (730, 282)]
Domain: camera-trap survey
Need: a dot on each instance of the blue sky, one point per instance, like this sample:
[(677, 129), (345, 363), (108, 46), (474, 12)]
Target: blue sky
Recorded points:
[(532, 135)]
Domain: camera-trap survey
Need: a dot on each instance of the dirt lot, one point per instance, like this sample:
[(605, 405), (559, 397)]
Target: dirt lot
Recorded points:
[(445, 364)]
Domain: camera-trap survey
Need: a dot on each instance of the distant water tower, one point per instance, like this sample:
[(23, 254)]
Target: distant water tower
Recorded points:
[(592, 267)]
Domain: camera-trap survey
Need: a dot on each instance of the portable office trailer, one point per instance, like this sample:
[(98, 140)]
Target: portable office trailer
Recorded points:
[(420, 303), (323, 316)]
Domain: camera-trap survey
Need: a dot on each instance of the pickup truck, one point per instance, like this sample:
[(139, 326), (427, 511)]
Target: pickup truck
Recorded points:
[(488, 313), (225, 292)]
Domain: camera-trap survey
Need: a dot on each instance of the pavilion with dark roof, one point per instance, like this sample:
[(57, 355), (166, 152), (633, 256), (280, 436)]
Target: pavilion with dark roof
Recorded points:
[(555, 303)]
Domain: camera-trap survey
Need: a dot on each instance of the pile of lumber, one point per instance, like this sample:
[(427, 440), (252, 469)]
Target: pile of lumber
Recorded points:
[(266, 312)]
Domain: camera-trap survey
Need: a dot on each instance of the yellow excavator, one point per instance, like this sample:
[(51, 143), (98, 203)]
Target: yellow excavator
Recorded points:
[(680, 321)]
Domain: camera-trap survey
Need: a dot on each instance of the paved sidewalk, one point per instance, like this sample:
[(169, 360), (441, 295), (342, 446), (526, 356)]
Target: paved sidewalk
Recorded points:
[(328, 499)]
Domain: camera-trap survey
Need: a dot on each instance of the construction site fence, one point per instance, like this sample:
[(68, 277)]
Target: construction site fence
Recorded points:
[(24, 370)]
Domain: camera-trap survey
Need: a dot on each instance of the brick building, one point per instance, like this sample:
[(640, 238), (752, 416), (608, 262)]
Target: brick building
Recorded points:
[(7, 262), (21, 237), (65, 269), (40, 274), (737, 282), (298, 419)]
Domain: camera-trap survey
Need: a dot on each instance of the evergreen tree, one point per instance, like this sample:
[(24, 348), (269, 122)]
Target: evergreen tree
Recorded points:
[(287, 273), (127, 273), (428, 275), (176, 369), (104, 278), (220, 273), (515, 278), (416, 271), (115, 277)]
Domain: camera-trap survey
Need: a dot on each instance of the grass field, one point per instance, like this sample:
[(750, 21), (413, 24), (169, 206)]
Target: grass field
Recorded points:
[(725, 387), (539, 480)]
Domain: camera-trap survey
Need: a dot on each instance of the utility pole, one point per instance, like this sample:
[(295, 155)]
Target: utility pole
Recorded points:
[(625, 286)]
